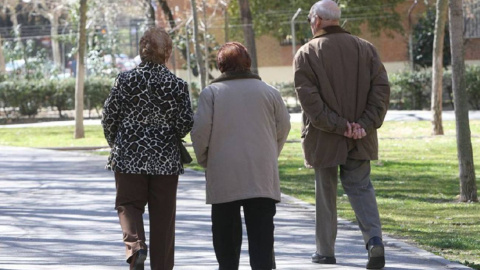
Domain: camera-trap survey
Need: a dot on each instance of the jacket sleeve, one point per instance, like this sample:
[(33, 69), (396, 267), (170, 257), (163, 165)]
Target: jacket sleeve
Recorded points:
[(184, 121), (202, 127), (378, 96), (282, 120), (111, 114), (317, 112)]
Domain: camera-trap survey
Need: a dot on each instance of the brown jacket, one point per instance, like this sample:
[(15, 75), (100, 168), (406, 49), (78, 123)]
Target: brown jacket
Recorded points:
[(338, 78), (239, 130)]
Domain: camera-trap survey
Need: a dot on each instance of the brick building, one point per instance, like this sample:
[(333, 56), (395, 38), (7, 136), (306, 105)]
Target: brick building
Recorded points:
[(275, 58)]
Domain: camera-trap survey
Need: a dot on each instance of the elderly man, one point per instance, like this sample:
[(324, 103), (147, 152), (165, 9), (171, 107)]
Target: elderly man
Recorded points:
[(344, 92)]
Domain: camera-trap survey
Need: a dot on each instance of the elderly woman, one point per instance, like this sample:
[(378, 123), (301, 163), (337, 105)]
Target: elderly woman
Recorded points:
[(240, 127), (147, 110)]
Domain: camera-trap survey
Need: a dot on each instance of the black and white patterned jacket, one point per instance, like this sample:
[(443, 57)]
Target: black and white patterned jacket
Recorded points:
[(147, 108)]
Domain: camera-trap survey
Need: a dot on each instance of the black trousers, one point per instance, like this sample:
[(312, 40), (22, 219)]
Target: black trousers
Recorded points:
[(227, 232)]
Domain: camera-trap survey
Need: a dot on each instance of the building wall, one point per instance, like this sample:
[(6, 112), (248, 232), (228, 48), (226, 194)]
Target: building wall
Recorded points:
[(275, 60)]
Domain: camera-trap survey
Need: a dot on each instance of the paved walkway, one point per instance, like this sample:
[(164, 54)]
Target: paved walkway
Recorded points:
[(56, 212)]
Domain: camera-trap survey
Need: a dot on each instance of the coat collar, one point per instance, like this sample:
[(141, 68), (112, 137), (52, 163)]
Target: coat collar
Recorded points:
[(151, 65), (235, 75), (334, 29)]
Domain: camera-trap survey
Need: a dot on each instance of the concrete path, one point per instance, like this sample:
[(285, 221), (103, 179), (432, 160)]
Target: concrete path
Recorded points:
[(56, 212)]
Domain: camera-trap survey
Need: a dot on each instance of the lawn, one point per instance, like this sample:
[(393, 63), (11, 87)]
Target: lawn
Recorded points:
[(416, 181)]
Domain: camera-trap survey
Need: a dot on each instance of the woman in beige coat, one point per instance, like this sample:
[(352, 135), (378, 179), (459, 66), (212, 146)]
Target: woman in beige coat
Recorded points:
[(239, 130)]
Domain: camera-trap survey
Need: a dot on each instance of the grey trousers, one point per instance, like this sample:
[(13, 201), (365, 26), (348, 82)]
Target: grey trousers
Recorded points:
[(355, 179)]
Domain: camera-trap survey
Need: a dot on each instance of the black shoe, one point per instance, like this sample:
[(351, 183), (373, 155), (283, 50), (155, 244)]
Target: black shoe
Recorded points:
[(137, 261), (376, 253), (317, 258)]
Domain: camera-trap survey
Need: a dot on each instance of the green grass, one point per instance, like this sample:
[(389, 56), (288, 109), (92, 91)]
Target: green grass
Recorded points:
[(51, 137), (416, 182)]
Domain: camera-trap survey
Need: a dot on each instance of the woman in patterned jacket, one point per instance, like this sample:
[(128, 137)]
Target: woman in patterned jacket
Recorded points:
[(147, 110)]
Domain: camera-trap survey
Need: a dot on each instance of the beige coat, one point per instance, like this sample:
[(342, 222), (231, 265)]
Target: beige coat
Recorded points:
[(338, 78), (240, 127)]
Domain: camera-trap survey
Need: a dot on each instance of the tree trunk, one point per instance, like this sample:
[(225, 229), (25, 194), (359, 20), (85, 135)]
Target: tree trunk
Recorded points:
[(16, 27), (79, 85), (2, 58), (468, 188), (55, 44), (167, 12), (198, 51), (150, 13), (437, 68), (248, 32), (205, 41)]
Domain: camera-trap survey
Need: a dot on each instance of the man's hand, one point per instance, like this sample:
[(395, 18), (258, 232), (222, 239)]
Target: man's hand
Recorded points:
[(355, 131)]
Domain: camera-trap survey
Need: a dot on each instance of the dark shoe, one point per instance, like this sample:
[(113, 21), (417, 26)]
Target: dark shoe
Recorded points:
[(376, 253), (138, 259), (317, 258)]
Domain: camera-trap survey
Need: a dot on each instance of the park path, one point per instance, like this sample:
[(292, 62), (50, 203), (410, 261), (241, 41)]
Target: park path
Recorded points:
[(56, 212)]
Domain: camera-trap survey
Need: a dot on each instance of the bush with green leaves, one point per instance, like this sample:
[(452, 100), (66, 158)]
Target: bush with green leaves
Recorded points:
[(423, 33), (472, 78), (7, 95), (61, 94), (410, 90), (28, 96), (96, 91)]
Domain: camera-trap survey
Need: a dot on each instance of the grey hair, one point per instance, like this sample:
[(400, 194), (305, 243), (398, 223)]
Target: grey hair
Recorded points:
[(326, 9)]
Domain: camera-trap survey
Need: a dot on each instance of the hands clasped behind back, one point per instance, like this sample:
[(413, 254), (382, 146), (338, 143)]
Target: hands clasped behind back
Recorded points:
[(355, 131)]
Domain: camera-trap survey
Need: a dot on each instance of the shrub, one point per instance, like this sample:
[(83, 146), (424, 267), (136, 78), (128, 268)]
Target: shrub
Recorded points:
[(96, 91), (29, 97), (410, 90), (472, 82), (61, 94)]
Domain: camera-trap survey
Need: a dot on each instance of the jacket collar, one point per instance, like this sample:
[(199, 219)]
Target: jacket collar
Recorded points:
[(235, 75), (334, 29), (151, 65)]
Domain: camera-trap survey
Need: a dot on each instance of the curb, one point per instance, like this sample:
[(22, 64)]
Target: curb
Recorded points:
[(76, 148)]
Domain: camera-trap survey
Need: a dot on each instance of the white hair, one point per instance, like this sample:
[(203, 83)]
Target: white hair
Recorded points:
[(326, 9)]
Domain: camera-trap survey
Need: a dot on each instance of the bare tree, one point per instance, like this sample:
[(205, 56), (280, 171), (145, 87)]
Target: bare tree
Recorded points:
[(248, 32), (468, 188), (10, 8), (2, 57), (437, 68), (150, 13), (52, 10), (198, 51), (79, 85), (167, 12)]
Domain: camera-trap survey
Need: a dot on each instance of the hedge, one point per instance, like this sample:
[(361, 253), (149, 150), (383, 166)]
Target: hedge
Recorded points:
[(409, 91), (412, 90), (28, 96)]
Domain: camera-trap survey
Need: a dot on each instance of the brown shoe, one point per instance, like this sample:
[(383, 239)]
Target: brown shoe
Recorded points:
[(138, 259)]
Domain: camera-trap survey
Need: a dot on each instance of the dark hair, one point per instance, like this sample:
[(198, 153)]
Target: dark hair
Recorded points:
[(233, 56), (155, 46)]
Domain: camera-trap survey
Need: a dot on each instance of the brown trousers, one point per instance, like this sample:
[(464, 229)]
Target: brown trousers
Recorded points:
[(134, 191)]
